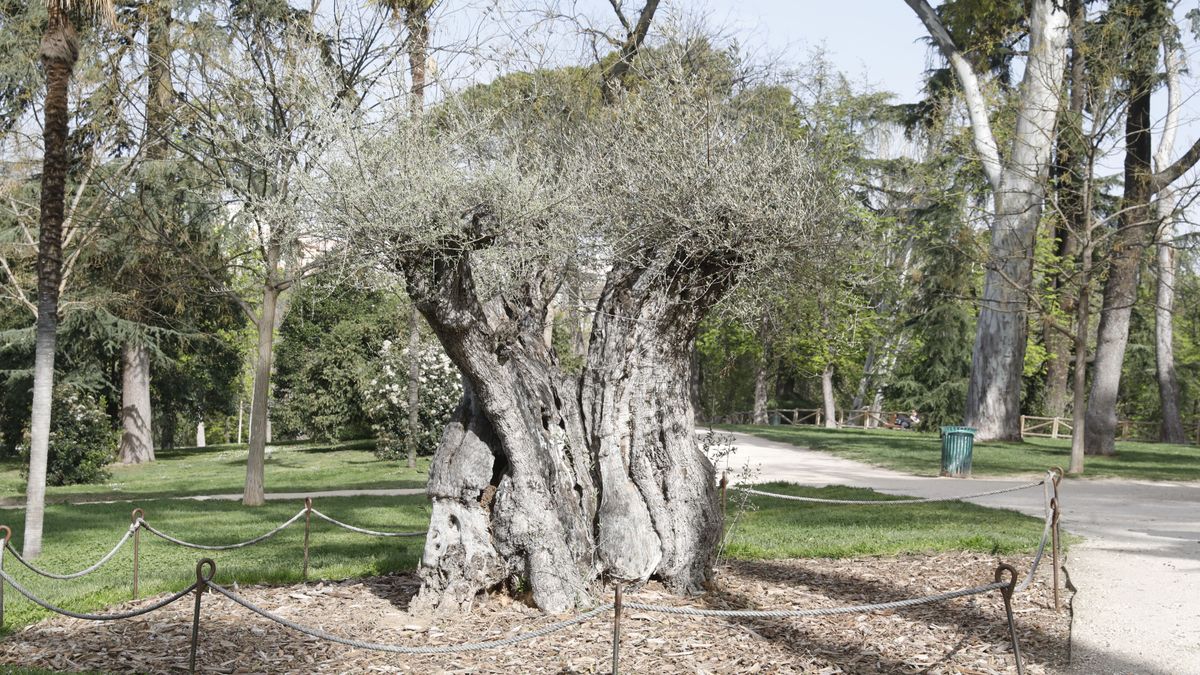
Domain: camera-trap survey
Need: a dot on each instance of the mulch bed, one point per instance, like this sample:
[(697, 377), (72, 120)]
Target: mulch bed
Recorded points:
[(966, 635)]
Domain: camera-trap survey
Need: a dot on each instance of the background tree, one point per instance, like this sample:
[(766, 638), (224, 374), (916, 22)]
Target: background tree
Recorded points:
[(998, 358)]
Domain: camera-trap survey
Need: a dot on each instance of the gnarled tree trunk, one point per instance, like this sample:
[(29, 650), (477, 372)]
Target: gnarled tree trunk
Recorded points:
[(137, 441), (550, 481)]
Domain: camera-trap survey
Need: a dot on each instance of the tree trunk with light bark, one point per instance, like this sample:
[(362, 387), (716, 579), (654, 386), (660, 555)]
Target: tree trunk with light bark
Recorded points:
[(137, 441)]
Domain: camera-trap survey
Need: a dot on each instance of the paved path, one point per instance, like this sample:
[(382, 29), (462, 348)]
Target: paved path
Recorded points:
[(1137, 606)]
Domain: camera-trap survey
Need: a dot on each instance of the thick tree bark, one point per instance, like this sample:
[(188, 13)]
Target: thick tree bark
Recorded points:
[(1124, 261), (137, 441), (59, 49), (547, 480), (254, 494), (827, 397)]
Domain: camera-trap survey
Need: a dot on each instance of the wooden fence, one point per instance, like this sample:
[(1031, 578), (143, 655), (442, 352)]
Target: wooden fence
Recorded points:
[(1032, 426), (859, 419), (1127, 430)]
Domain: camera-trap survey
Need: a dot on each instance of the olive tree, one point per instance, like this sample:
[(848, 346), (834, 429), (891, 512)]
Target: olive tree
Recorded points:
[(550, 477)]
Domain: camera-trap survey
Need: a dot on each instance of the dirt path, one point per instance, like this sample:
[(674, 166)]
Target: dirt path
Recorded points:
[(1137, 607)]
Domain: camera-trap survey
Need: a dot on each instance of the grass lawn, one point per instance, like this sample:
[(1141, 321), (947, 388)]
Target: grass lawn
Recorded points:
[(920, 453), (221, 469), (777, 528), (77, 535)]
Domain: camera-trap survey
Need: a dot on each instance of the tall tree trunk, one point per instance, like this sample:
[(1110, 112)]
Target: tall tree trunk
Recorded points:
[(864, 382), (761, 373), (137, 441), (1082, 321), (414, 386), (1070, 164), (1164, 312), (827, 396), (58, 51), (1164, 337), (201, 436), (254, 494), (554, 480), (1134, 234), (993, 403)]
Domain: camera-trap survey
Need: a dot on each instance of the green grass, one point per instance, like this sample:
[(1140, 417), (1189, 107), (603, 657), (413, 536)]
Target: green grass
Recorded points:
[(77, 535), (777, 528), (221, 469), (919, 453)]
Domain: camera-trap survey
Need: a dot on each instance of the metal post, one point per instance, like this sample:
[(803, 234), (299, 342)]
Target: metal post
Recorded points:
[(616, 651), (135, 518), (1054, 517), (307, 525), (1007, 592), (3, 545), (201, 586)]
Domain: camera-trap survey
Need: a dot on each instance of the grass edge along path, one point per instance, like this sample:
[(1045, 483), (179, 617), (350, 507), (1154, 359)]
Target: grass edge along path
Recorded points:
[(919, 453)]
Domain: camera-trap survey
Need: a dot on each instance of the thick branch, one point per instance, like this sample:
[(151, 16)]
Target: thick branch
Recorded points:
[(633, 42), (981, 127)]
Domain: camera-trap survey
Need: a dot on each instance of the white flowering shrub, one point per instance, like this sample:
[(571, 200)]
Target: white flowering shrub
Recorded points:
[(387, 398), (82, 441)]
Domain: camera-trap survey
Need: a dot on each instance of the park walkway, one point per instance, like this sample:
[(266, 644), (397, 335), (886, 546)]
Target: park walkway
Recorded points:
[(1137, 605)]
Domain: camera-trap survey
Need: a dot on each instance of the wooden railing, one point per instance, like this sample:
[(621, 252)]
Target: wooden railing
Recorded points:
[(1127, 430), (1032, 426), (862, 419)]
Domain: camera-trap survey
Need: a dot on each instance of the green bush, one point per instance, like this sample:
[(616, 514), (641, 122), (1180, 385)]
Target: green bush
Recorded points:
[(82, 442)]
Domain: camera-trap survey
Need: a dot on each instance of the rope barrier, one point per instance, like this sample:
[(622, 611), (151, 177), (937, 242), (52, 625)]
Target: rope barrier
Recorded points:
[(93, 617), (405, 649), (360, 530), (73, 575), (820, 611), (887, 502), (225, 547)]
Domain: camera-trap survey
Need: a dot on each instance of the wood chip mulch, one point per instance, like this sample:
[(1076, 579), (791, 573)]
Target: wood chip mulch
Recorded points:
[(965, 635)]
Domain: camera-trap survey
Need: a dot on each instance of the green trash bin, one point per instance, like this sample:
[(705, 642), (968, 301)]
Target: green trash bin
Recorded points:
[(957, 445)]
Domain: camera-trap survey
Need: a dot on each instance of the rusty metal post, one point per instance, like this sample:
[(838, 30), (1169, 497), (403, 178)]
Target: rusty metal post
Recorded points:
[(1007, 592), (307, 525), (616, 650), (135, 518), (3, 545), (201, 585)]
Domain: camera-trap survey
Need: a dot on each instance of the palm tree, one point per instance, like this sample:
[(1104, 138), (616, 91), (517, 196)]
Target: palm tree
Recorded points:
[(58, 51)]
